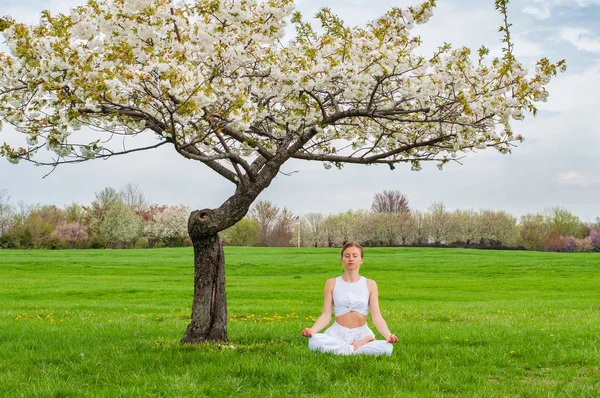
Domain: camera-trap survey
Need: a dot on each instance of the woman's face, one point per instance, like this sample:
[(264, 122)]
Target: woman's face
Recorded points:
[(351, 259)]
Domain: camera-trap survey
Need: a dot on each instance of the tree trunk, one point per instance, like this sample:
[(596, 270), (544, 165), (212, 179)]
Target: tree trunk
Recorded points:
[(209, 308)]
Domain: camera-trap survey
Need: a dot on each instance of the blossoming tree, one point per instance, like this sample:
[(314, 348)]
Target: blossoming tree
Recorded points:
[(215, 80)]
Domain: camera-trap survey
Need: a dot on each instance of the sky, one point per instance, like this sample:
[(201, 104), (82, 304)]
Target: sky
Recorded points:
[(557, 165)]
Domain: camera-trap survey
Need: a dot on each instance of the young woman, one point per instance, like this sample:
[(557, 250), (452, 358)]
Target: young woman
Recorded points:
[(350, 296)]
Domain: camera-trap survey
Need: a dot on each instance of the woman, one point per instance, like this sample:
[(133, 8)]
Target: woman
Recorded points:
[(350, 296)]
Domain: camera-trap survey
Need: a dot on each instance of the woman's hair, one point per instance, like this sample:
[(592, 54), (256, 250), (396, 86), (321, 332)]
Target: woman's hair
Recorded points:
[(353, 244)]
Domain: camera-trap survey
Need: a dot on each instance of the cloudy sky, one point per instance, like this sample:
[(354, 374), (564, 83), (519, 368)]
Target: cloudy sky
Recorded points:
[(557, 165)]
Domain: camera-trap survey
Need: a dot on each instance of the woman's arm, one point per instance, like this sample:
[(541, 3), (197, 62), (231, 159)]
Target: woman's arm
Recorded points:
[(376, 317), (325, 317)]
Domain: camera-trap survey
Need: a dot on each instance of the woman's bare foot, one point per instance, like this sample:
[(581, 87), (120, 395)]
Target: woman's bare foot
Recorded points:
[(360, 343)]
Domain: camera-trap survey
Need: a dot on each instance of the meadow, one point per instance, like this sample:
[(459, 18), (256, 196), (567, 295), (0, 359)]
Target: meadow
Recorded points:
[(471, 323)]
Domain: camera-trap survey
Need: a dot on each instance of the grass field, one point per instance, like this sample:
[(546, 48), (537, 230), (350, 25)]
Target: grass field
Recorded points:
[(471, 324)]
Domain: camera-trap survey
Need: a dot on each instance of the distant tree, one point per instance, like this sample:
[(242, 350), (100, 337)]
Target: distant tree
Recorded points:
[(554, 242), (266, 214), (565, 222), (95, 213), (570, 244), (419, 220), (74, 213), (149, 229), (120, 225), (368, 230), (497, 227), (41, 223), (341, 228), (107, 197), (276, 224), (585, 245), (19, 236), (281, 234), (133, 196), (390, 202), (595, 238), (466, 227), (314, 224), (72, 233), (387, 229), (168, 224), (438, 222), (533, 230), (243, 233), (7, 212)]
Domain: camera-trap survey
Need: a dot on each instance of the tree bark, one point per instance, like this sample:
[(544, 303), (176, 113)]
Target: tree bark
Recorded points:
[(209, 308)]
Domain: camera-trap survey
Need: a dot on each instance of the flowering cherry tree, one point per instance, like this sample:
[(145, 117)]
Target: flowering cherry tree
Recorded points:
[(71, 233), (168, 223), (214, 80)]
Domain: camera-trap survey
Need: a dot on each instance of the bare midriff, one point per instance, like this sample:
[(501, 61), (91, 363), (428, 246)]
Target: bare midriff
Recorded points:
[(351, 320)]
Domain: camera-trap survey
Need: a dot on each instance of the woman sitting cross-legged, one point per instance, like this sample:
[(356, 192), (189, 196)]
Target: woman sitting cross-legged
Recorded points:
[(350, 296)]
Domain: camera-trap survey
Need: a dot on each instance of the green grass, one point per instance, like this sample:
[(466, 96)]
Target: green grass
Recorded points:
[(471, 324)]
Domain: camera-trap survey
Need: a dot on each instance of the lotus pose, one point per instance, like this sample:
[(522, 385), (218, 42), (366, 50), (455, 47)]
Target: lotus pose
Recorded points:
[(350, 296)]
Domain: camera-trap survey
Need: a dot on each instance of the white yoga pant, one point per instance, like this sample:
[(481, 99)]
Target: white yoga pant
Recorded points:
[(338, 340)]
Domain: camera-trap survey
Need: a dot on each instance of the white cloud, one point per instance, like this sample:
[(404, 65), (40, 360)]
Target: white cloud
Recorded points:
[(581, 38), (543, 8), (573, 178), (539, 13)]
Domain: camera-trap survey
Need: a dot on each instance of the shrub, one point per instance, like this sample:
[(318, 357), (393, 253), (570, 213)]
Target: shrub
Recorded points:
[(141, 243), (71, 233), (595, 238), (55, 243), (188, 242), (554, 241), (97, 242), (584, 245), (570, 244)]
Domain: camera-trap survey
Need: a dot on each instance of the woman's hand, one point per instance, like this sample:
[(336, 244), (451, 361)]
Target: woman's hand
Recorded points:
[(391, 339), (307, 332)]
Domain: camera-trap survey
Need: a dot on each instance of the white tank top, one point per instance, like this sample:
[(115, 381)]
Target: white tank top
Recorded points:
[(349, 296)]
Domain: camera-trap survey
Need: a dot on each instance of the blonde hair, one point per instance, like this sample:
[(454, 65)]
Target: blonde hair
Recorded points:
[(353, 244)]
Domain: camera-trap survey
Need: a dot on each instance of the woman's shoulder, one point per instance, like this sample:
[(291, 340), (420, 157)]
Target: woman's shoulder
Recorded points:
[(330, 283), (371, 283)]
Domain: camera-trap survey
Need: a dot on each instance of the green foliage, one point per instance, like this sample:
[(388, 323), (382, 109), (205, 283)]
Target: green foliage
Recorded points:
[(244, 233), (97, 242), (533, 229), (5, 23), (141, 243), (41, 222), (74, 213), (18, 237), (566, 223), (120, 224), (54, 243), (471, 324)]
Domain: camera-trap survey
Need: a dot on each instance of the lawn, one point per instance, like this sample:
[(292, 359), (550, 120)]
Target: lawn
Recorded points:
[(107, 323)]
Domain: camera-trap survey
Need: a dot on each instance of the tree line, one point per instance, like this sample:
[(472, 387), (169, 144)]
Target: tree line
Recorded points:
[(115, 219), (391, 222), (124, 219)]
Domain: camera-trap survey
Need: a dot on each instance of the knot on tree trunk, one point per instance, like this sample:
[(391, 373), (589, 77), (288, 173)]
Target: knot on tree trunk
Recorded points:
[(203, 223)]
